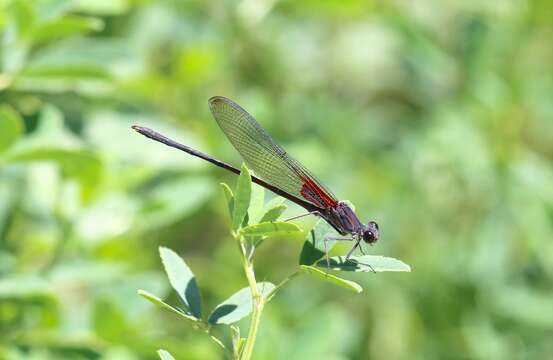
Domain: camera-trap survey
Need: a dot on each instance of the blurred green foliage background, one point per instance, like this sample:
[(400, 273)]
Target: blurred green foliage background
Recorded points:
[(433, 117)]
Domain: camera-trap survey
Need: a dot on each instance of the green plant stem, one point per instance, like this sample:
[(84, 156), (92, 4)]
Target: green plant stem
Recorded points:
[(216, 340), (207, 329), (258, 302)]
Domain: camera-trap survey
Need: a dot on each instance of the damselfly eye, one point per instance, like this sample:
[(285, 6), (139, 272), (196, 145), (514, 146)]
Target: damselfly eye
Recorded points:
[(371, 233)]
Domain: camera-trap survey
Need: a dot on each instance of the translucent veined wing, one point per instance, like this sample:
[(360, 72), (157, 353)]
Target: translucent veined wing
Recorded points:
[(265, 157)]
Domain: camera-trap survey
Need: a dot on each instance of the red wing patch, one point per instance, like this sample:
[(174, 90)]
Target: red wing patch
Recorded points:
[(314, 194)]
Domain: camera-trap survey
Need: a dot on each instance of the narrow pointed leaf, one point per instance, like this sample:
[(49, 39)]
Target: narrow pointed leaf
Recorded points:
[(242, 197), (67, 26), (165, 355), (238, 305), (273, 213), (277, 200), (353, 286), (157, 301), (182, 280), (270, 229), (229, 196), (11, 127), (365, 263), (257, 201)]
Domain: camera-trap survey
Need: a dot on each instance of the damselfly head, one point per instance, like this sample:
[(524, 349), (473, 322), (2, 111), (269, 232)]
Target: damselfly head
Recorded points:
[(371, 233)]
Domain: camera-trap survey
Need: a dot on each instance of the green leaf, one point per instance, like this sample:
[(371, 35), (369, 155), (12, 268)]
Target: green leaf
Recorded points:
[(11, 127), (270, 229), (85, 65), (238, 305), (65, 71), (157, 301), (67, 26), (242, 197), (52, 9), (165, 355), (229, 196), (366, 263), (353, 286), (314, 247), (275, 201), (182, 280), (82, 165), (52, 142), (24, 16), (273, 213), (257, 201)]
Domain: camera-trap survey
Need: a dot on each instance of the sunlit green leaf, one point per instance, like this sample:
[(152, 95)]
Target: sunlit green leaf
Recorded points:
[(275, 201), (67, 26), (24, 16), (157, 301), (365, 263), (182, 280), (52, 9), (353, 286), (257, 201), (165, 355), (67, 71), (11, 127), (238, 306), (270, 229), (229, 196), (241, 197), (273, 213)]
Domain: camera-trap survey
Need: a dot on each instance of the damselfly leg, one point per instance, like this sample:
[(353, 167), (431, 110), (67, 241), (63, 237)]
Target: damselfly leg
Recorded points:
[(353, 249), (358, 245), (328, 238), (302, 215)]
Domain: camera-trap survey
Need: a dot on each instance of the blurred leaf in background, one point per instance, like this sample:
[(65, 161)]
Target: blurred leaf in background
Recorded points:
[(433, 118)]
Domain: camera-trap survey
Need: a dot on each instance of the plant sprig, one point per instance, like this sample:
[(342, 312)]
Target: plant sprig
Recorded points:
[(251, 224)]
